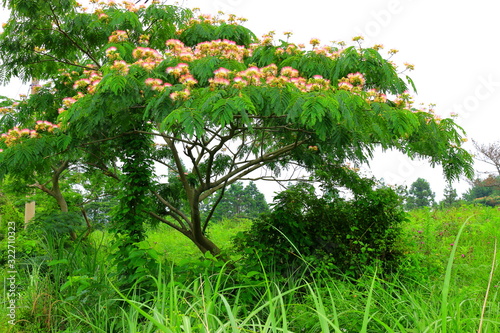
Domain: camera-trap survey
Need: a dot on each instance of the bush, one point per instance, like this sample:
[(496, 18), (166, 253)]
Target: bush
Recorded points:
[(328, 233), (492, 200)]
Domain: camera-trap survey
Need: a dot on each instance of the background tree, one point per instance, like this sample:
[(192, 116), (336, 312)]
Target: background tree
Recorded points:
[(420, 194), (485, 191), (450, 196), (239, 201), (222, 103), (488, 153)]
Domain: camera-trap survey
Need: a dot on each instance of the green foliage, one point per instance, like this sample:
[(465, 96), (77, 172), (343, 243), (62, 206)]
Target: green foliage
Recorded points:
[(484, 191), (420, 195), (327, 233), (215, 95), (58, 224), (450, 196), (133, 261), (238, 201), (74, 291)]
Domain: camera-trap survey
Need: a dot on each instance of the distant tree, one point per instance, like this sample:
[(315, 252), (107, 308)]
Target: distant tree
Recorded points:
[(420, 194), (450, 196), (239, 201), (488, 153), (485, 191)]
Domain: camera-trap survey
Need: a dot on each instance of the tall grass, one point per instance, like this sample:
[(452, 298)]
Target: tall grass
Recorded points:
[(458, 293)]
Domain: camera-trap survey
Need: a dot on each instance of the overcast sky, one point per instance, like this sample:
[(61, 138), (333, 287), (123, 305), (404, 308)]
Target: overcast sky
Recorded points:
[(454, 45)]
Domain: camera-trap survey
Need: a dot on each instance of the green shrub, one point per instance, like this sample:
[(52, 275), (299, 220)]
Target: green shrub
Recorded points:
[(492, 200), (329, 233)]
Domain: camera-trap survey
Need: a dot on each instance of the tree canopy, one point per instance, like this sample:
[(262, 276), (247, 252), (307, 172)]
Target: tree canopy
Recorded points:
[(128, 86), (239, 201), (420, 194)]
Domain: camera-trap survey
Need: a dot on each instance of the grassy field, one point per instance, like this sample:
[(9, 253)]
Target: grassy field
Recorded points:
[(448, 282)]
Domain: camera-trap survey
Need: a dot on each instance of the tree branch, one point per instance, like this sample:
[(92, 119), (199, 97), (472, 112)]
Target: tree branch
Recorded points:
[(175, 211), (60, 30)]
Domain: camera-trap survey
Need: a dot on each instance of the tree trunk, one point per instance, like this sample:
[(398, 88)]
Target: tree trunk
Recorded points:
[(57, 194), (63, 205)]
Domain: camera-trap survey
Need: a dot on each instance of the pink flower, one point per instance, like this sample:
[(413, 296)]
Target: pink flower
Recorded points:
[(111, 49), (120, 66), (68, 101), (180, 95), (222, 72), (118, 36), (151, 82), (188, 80), (345, 86), (219, 81), (356, 79), (289, 71)]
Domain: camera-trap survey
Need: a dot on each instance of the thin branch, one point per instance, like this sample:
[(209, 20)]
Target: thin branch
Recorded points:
[(173, 211), (214, 206), (54, 59), (42, 188), (167, 222), (60, 30), (274, 179), (262, 159)]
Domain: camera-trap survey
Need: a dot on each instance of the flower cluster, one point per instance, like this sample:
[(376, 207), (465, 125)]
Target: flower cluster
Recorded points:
[(291, 49), (180, 95), (375, 96), (112, 53), (404, 100), (267, 75), (224, 48), (82, 83), (120, 66), (130, 6), (156, 84), (147, 58), (144, 39), (267, 39), (118, 36), (219, 19), (179, 70), (314, 42), (188, 80), (353, 82), (15, 135), (69, 101), (356, 79), (316, 83), (409, 66), (221, 48), (146, 53), (289, 72), (5, 110), (218, 82), (45, 126)]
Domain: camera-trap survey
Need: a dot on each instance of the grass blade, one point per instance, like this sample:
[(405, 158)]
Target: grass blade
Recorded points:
[(366, 316), (447, 279), (488, 288)]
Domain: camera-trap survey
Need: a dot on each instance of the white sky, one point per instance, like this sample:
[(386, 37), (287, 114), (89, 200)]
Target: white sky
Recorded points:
[(454, 46)]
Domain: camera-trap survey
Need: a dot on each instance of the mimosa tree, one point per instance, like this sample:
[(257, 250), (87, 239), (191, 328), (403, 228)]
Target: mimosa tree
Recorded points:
[(211, 103)]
